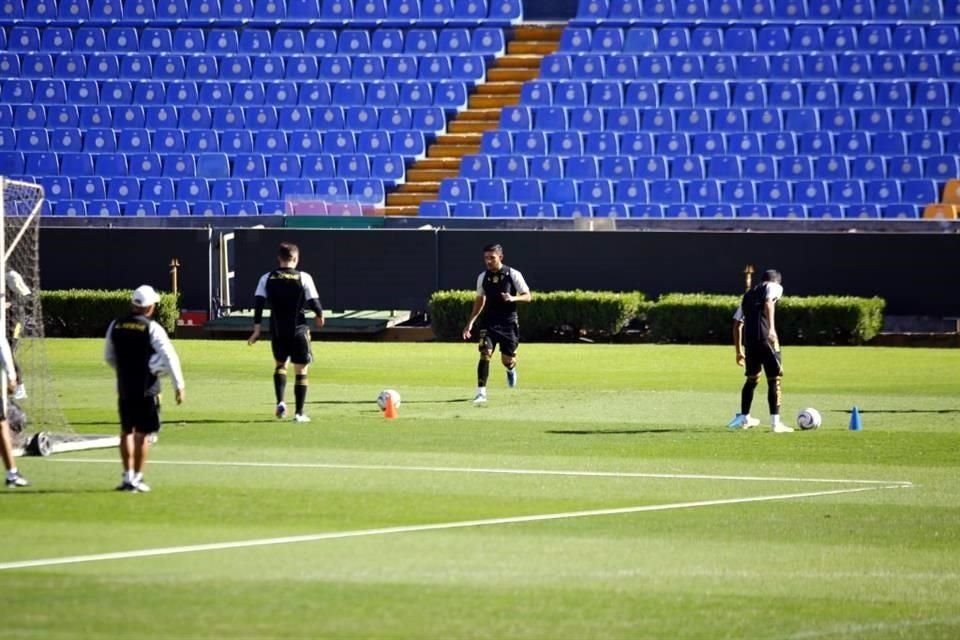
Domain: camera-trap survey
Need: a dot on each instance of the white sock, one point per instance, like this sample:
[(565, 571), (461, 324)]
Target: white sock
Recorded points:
[(774, 419), (13, 472), (128, 477), (482, 390), (137, 478)]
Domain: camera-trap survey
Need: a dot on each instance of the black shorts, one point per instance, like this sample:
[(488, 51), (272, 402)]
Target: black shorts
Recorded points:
[(296, 348), (505, 335), (141, 415), (763, 356)]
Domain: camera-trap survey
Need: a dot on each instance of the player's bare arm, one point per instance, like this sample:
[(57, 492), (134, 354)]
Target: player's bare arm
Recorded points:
[(738, 342), (478, 303), (768, 311), (520, 297)]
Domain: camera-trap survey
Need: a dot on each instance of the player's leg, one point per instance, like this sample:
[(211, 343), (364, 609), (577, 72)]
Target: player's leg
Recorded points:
[(486, 347), (301, 356), (752, 367), (509, 343), (128, 418), (280, 357), (148, 422), (14, 479), (773, 370)]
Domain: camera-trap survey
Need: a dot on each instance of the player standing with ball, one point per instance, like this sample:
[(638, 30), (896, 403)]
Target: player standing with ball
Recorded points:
[(758, 348)]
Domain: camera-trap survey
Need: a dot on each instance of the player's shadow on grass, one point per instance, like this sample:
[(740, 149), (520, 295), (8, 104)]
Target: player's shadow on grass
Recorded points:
[(607, 432), (405, 402), (895, 411)]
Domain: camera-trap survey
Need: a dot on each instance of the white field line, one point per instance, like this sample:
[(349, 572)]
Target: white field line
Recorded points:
[(521, 472), (464, 524)]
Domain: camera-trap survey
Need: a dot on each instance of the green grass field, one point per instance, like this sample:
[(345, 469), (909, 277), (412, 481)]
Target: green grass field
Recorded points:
[(603, 498)]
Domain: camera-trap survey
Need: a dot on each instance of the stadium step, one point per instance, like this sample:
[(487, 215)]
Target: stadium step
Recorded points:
[(497, 88), (451, 151), (422, 186), (516, 75), (458, 126), (400, 210), (486, 102), (428, 175), (502, 87)]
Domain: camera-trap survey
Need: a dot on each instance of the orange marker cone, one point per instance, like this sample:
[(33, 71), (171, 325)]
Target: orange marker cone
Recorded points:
[(390, 411)]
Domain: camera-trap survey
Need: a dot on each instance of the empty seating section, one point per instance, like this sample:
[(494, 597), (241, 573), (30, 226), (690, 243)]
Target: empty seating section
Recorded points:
[(146, 107), (746, 108)]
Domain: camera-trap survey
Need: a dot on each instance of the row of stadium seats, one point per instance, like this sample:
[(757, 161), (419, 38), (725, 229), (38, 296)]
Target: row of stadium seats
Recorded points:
[(334, 12), (742, 93), (429, 120), (140, 66), (774, 38), (407, 143), (692, 167), (192, 40), (387, 168), (776, 144), (782, 66), (440, 209), (24, 101), (707, 191), (123, 189), (694, 120), (630, 10)]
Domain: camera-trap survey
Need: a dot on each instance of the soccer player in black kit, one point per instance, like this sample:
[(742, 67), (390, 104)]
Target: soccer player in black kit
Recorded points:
[(137, 347), (499, 289), (288, 292), (758, 348)]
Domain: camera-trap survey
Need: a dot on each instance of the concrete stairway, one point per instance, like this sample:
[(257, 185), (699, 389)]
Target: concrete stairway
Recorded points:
[(505, 77)]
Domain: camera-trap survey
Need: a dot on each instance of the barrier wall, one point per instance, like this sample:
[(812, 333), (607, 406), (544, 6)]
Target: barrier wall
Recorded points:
[(398, 269)]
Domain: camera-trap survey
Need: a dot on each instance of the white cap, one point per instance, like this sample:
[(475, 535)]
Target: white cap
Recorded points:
[(144, 296)]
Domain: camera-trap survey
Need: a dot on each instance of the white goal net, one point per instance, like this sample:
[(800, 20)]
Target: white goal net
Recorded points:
[(37, 422)]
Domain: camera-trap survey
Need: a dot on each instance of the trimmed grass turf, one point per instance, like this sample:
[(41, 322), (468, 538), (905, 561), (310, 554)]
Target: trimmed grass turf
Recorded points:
[(877, 564)]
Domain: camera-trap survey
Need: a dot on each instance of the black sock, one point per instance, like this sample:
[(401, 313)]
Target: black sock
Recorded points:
[(774, 396), (483, 372), (280, 383), (746, 395), (300, 391)]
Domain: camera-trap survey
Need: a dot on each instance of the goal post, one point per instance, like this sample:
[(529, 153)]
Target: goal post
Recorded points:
[(37, 422)]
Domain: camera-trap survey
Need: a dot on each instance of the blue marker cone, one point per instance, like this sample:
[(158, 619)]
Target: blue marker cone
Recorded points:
[(855, 423)]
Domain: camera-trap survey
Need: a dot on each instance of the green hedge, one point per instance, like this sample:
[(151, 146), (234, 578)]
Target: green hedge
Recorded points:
[(547, 315), (85, 313), (707, 318), (692, 318)]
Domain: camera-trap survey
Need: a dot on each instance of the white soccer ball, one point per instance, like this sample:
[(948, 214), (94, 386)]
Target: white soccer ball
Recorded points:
[(808, 419), (388, 395), (158, 365)]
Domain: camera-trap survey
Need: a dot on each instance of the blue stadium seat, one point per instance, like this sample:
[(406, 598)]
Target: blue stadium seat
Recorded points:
[(853, 143), (172, 9), (39, 65), (208, 10), (754, 210), (637, 144), (857, 94), (919, 142), (29, 115), (616, 167), (739, 193), (655, 66), (575, 210), (11, 163), (320, 41), (370, 143), (56, 187), (436, 12), (673, 144), (236, 10), (831, 168), (24, 38), (62, 115), (825, 210), (33, 139), (774, 192), (71, 164), (72, 10), (263, 189), (909, 119), (642, 94), (715, 94), (434, 209), (455, 190), (490, 190), (157, 189), (139, 10), (687, 168), (70, 208), (601, 143), (140, 208), (530, 143), (106, 10), (469, 11), (546, 167), (465, 209), (339, 142), (592, 9), (51, 92), (512, 167), (123, 188), (155, 40)]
